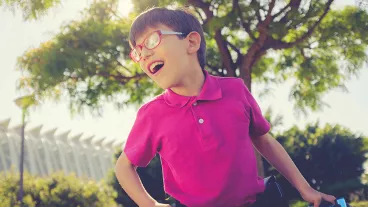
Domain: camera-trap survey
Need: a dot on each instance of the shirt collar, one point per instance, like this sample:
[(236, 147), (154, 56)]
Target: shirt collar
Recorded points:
[(211, 90)]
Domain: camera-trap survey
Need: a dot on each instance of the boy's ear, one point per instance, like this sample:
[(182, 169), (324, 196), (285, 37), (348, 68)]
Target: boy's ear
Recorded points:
[(194, 39)]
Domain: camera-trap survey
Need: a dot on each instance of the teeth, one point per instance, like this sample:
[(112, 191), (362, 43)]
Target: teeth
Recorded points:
[(155, 64)]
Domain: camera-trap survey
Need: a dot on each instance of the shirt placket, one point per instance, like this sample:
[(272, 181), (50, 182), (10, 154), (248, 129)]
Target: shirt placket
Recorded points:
[(203, 126)]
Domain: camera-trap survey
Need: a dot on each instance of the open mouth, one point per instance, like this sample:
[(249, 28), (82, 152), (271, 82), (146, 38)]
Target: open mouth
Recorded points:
[(156, 66)]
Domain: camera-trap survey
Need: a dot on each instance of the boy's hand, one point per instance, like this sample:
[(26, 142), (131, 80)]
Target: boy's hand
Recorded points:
[(312, 196)]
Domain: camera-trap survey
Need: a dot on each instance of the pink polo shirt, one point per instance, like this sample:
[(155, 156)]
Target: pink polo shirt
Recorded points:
[(204, 143)]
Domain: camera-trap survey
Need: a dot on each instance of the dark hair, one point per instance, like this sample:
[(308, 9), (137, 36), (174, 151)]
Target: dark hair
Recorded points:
[(179, 20)]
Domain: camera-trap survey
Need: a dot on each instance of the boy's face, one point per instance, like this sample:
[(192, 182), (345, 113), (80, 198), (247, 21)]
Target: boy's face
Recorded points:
[(170, 61)]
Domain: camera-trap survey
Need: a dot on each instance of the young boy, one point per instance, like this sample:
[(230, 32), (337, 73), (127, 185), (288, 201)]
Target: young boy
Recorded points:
[(203, 127)]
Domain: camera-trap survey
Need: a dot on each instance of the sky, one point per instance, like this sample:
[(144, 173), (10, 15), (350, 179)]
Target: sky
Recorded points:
[(16, 36)]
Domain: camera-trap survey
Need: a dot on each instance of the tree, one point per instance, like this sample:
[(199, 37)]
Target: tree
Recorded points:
[(330, 158), (31, 9), (262, 41), (88, 61), (276, 120), (55, 190)]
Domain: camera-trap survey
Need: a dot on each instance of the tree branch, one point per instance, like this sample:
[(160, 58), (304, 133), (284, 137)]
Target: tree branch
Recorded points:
[(271, 5), (294, 6), (115, 14), (124, 67), (233, 47), (263, 26), (257, 49), (295, 23), (246, 25), (258, 56), (122, 79), (226, 56), (204, 6), (302, 53), (278, 44), (199, 14), (259, 18), (235, 5), (238, 59), (206, 9), (281, 11)]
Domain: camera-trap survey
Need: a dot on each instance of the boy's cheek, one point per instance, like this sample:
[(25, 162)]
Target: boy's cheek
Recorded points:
[(141, 65), (144, 70)]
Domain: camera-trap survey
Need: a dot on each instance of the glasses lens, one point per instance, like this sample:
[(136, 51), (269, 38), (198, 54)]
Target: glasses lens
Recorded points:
[(152, 41), (135, 55)]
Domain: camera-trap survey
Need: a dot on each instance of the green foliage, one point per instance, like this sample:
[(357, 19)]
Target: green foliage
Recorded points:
[(330, 158), (31, 9), (360, 204), (332, 51), (298, 204), (276, 120), (355, 204), (88, 60), (334, 54), (55, 191)]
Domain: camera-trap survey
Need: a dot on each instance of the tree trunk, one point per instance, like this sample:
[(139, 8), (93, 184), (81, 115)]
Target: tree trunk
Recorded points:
[(248, 61), (261, 44)]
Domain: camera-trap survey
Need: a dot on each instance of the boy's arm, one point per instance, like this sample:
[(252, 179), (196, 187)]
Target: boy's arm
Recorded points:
[(272, 151), (129, 180)]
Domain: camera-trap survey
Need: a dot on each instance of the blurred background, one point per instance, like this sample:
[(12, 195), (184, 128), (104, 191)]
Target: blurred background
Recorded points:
[(69, 90)]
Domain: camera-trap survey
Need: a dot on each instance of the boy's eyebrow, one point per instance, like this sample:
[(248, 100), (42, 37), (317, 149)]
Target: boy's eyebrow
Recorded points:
[(142, 34), (142, 31)]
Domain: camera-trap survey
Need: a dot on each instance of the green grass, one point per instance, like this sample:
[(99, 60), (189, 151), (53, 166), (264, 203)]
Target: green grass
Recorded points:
[(298, 204), (360, 204), (304, 204)]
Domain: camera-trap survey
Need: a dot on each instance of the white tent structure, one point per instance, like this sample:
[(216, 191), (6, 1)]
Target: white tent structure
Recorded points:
[(46, 152)]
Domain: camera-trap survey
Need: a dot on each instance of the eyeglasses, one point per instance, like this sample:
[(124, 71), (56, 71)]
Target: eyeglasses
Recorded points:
[(151, 42)]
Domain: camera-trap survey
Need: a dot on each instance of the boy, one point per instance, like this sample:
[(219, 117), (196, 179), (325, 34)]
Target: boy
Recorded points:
[(203, 127)]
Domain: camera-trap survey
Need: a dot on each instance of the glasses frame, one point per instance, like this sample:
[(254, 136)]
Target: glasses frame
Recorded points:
[(143, 44)]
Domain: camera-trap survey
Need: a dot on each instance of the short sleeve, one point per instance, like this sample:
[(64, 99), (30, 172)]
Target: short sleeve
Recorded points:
[(258, 123), (141, 145)]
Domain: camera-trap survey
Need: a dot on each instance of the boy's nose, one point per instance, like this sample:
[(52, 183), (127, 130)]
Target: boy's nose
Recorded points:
[(146, 53)]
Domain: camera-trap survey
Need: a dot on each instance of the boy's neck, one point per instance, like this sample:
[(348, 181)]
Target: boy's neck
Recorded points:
[(191, 85)]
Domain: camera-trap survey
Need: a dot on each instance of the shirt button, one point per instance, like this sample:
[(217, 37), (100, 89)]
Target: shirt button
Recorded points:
[(195, 104), (201, 121)]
